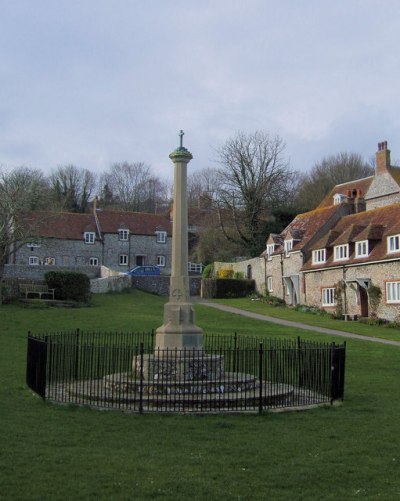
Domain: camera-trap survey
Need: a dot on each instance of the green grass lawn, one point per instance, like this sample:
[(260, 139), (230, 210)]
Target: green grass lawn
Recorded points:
[(51, 452), (258, 306)]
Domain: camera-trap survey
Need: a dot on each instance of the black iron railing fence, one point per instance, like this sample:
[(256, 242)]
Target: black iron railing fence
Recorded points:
[(233, 373)]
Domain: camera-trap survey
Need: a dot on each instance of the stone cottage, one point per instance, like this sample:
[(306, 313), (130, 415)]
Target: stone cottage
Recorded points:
[(344, 252), (115, 239)]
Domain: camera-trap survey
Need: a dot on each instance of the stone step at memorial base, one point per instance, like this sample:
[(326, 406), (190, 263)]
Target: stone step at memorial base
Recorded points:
[(230, 394)]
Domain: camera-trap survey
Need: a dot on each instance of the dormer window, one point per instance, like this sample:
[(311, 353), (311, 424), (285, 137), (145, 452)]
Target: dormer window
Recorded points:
[(161, 237), (270, 249), (319, 256), (89, 237), (362, 248), (338, 198), (393, 244), (288, 246), (123, 235), (341, 252)]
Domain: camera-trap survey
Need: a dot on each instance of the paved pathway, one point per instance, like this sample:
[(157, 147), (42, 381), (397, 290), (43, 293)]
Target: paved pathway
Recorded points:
[(288, 323)]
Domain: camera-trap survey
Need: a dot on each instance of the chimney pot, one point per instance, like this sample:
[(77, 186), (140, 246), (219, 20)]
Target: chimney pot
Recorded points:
[(382, 158)]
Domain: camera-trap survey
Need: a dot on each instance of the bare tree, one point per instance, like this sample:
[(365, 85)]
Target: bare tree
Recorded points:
[(73, 187), (134, 188), (202, 187), (254, 178), (21, 190), (330, 171)]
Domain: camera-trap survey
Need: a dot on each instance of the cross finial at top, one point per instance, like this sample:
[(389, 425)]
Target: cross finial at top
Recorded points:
[(181, 133)]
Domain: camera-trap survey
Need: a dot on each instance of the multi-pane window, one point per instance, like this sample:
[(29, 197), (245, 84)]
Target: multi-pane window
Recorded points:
[(89, 237), (328, 296), (393, 243), (123, 235), (319, 256), (161, 237), (362, 248), (393, 292), (288, 246), (269, 284), (123, 260), (161, 261), (33, 260), (93, 261), (270, 249), (341, 252)]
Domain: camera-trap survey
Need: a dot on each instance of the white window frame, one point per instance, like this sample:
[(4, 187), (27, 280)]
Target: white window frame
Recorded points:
[(161, 237), (33, 261), (270, 250), (288, 245), (270, 284), (362, 248), (393, 292), (318, 256), (393, 244), (50, 261), (341, 252), (123, 259), (123, 235), (161, 261), (89, 237), (328, 296), (93, 261)]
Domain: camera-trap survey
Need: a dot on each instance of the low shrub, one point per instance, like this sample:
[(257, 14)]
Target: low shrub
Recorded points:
[(227, 287), (208, 271), (274, 301), (69, 285), (238, 275), (373, 321)]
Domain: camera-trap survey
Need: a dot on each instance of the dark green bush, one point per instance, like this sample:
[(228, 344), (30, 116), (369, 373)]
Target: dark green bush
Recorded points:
[(229, 287), (226, 287), (69, 285)]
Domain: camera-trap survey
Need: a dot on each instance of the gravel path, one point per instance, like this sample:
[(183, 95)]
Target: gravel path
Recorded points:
[(288, 323)]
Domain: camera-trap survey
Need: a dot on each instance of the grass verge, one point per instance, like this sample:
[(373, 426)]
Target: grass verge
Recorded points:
[(53, 453)]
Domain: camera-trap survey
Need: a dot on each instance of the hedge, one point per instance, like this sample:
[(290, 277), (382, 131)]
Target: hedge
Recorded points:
[(227, 287), (69, 285)]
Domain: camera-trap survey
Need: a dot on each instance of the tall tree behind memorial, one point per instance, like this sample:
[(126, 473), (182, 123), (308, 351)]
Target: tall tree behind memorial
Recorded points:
[(134, 188), (73, 187), (330, 171), (254, 179)]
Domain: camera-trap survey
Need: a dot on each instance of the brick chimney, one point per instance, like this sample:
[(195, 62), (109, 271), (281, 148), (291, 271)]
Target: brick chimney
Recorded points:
[(382, 158), (359, 202)]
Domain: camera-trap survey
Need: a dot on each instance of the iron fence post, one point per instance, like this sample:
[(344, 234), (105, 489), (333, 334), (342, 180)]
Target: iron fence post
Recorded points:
[(141, 379), (76, 367), (260, 376)]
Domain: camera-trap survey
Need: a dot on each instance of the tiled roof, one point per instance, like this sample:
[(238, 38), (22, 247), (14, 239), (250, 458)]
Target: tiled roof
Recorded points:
[(64, 225), (138, 223), (309, 223), (373, 225), (71, 226), (303, 228), (360, 184)]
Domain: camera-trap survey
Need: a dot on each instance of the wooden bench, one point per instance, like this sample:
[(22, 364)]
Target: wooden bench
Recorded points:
[(34, 290)]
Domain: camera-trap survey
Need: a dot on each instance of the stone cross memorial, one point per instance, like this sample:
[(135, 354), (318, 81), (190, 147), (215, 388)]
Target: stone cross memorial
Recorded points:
[(179, 329)]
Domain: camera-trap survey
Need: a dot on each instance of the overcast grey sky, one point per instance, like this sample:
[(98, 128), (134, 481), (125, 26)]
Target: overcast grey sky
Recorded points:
[(92, 82)]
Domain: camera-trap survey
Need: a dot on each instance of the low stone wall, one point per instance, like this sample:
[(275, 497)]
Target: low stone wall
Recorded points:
[(155, 284), (27, 272), (108, 284), (160, 284)]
